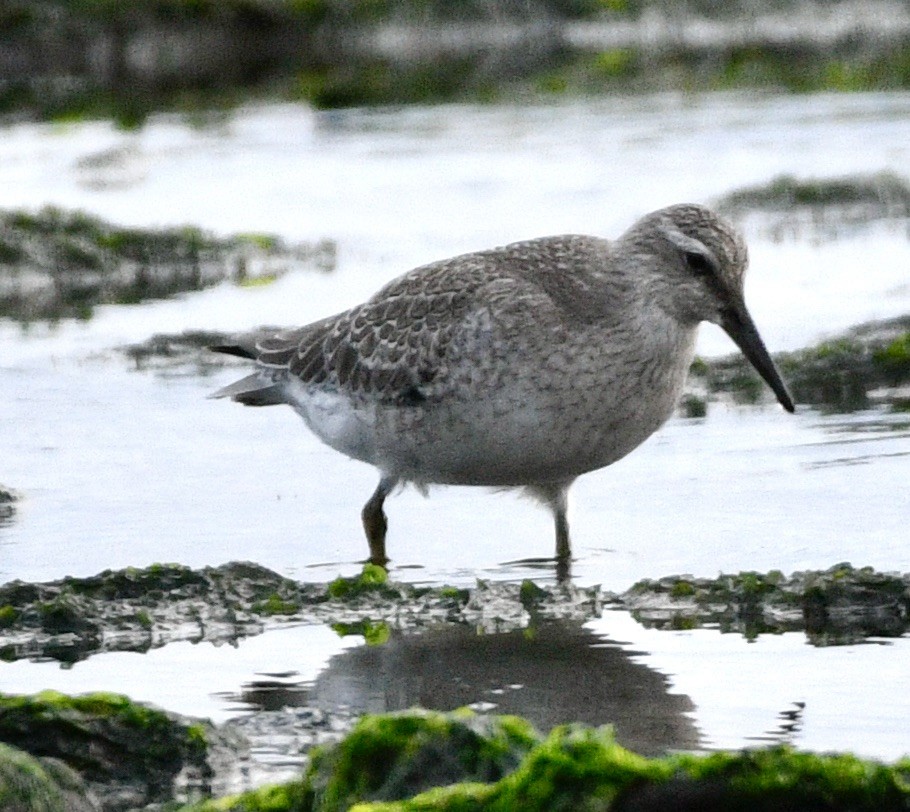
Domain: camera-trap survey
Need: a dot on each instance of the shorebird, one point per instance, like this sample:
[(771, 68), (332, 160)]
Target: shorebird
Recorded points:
[(522, 366)]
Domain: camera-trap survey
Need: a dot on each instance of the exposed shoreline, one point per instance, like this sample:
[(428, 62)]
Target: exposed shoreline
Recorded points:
[(135, 609), (138, 609), (61, 59)]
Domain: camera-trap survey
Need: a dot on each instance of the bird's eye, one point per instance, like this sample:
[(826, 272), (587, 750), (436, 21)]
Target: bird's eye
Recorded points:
[(698, 263)]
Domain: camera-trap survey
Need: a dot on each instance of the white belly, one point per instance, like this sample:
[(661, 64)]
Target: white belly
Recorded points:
[(503, 438)]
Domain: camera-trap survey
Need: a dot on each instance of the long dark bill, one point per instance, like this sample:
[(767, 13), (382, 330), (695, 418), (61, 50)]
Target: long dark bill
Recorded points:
[(740, 327)]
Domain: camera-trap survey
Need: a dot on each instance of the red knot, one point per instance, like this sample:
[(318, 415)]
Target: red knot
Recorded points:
[(523, 366)]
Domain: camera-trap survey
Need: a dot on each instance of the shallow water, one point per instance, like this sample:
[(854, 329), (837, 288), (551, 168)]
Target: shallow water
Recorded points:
[(125, 468)]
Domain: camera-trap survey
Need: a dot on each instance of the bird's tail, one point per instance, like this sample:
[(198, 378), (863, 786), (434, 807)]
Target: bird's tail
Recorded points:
[(253, 390), (240, 349)]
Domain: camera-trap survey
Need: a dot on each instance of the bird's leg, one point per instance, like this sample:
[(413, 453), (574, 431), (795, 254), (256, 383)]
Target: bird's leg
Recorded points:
[(374, 521), (556, 496), (563, 549)]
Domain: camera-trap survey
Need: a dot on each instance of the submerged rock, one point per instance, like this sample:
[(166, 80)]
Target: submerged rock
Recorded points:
[(60, 264), (128, 755), (8, 499)]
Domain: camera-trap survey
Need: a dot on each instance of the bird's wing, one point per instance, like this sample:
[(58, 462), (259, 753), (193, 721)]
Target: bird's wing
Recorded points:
[(395, 347), (401, 344)]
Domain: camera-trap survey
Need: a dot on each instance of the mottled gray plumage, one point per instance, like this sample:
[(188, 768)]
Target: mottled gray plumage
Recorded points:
[(525, 366)]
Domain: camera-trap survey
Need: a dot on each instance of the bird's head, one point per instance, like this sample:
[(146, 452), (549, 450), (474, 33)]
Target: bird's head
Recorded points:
[(695, 263)]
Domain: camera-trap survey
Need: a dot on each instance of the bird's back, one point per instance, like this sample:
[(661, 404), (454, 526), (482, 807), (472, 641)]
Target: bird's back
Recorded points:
[(404, 333)]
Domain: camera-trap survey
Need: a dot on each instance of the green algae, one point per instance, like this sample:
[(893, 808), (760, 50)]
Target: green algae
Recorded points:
[(126, 732), (423, 761), (894, 360), (395, 756), (419, 761), (797, 67), (693, 406), (63, 616), (8, 616), (837, 373), (782, 775), (455, 594), (127, 754), (132, 582), (785, 191), (275, 604), (372, 578), (197, 739), (802, 69), (293, 796), (574, 768), (83, 261), (68, 619), (100, 704), (530, 594), (682, 589), (398, 755), (821, 208), (699, 366), (374, 633), (265, 242), (323, 51), (582, 769), (28, 784)]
